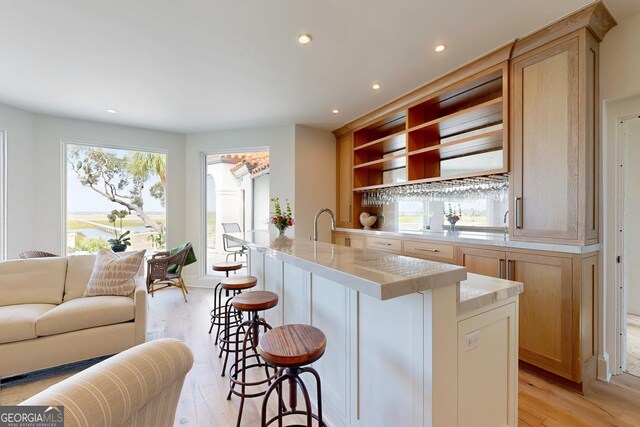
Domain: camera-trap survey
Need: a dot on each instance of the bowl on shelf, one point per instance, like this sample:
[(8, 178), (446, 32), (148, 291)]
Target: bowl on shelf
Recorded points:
[(367, 220)]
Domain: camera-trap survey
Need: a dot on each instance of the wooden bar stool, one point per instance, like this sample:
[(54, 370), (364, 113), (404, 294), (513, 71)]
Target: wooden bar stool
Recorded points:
[(232, 324), (291, 347), (247, 358), (217, 314)]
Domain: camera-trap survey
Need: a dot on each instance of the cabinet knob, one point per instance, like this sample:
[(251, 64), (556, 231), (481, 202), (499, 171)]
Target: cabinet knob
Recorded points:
[(427, 250)]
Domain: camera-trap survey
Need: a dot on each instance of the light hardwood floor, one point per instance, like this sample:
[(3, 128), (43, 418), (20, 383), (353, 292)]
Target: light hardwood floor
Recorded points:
[(203, 400)]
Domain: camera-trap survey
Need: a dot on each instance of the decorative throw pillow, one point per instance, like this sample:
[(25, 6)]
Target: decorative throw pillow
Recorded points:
[(113, 274)]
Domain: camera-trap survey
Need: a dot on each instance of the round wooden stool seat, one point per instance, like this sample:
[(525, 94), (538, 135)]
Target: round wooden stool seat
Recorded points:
[(292, 345), (226, 266), (239, 282), (255, 301)]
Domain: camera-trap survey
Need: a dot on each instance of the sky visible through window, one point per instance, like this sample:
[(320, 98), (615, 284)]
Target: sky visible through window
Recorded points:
[(135, 179)]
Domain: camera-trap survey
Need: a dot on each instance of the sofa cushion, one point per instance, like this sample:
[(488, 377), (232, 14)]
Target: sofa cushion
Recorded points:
[(79, 270), (32, 281), (85, 313), (19, 321), (113, 274)]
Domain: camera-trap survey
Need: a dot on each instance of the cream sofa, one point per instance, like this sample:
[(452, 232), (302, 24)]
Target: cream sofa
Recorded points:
[(138, 387), (45, 321)]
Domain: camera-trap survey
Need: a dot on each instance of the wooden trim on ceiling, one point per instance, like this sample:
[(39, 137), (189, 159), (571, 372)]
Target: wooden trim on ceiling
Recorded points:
[(596, 17)]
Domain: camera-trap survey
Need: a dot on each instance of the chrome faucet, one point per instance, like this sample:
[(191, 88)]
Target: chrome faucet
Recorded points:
[(504, 220), (315, 222)]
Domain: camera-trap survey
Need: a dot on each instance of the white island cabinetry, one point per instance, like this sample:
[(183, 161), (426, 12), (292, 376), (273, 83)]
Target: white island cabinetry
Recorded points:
[(397, 331)]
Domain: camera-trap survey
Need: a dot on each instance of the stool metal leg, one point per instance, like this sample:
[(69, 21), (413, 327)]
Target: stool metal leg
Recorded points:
[(292, 375)]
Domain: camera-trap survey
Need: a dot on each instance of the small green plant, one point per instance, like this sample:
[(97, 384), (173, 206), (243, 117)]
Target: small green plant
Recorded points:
[(89, 245), (121, 239), (158, 240)]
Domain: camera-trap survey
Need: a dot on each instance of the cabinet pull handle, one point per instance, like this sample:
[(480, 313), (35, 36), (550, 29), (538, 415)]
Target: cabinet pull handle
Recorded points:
[(427, 250), (382, 243), (518, 213), (509, 269), (347, 242), (350, 213), (500, 268)]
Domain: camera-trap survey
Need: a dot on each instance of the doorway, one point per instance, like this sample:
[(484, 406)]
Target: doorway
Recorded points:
[(630, 319), (237, 198)]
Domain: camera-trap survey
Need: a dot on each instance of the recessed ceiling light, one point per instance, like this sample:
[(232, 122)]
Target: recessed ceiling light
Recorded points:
[(440, 48), (304, 38), (335, 111), (375, 86), (112, 110)]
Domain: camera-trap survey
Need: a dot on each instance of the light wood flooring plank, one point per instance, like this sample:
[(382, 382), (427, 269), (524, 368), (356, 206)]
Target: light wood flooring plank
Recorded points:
[(203, 401)]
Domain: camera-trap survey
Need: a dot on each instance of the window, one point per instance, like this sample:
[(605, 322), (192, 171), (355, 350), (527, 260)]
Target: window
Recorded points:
[(237, 197), (3, 195), (481, 214), (112, 191)]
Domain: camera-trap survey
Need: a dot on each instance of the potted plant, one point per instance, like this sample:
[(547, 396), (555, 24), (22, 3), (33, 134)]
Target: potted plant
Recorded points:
[(122, 240), (452, 217), (281, 219)]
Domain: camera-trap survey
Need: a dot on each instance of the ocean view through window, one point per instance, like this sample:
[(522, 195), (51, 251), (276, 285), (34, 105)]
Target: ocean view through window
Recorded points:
[(112, 191)]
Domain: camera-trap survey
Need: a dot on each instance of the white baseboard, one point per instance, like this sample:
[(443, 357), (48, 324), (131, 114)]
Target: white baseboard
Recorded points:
[(604, 371)]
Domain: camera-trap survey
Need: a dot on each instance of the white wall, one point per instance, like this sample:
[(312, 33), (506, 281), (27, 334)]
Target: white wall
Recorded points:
[(21, 189), (35, 209), (281, 144), (619, 83), (620, 60), (315, 181), (261, 202)]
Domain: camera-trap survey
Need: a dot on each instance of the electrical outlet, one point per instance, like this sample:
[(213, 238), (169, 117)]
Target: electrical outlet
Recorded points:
[(473, 340)]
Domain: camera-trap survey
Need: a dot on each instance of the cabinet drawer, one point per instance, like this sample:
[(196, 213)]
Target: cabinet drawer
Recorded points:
[(384, 244), (428, 249)]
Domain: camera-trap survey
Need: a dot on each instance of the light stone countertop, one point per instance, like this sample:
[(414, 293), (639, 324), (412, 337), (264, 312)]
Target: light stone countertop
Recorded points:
[(379, 274), (479, 291), (476, 238)]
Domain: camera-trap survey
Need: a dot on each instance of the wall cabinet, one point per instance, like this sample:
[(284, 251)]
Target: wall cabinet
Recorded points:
[(554, 141)]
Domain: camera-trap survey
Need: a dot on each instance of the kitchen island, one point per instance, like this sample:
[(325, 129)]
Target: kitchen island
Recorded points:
[(410, 342)]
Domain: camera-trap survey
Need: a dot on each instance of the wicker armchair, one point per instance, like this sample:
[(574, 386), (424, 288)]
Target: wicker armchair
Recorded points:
[(159, 272), (36, 254)]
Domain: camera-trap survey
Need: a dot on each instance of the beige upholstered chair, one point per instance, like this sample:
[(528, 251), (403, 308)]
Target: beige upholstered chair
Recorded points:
[(138, 387)]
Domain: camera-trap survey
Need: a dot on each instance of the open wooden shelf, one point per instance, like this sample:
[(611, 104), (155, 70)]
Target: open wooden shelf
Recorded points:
[(380, 130), (488, 141), (485, 87), (458, 121), (478, 116), (375, 150), (384, 164)]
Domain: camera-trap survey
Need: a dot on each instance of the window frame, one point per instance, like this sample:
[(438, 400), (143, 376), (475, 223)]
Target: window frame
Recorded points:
[(64, 143), (3, 194)]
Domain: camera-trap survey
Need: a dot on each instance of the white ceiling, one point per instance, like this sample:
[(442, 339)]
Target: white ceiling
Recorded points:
[(198, 65)]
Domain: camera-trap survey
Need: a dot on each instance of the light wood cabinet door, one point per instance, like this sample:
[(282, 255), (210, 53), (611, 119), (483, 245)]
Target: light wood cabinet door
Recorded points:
[(344, 191), (545, 143), (546, 320), (483, 261)]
